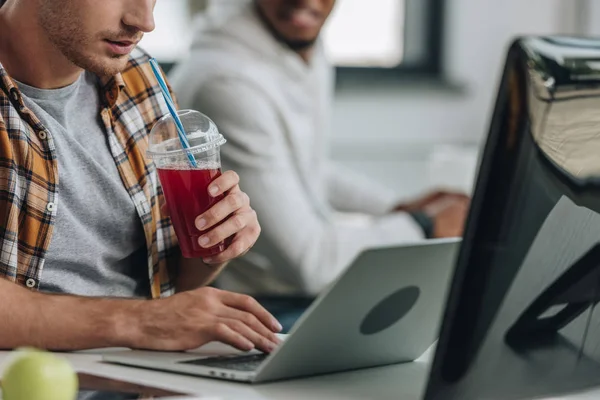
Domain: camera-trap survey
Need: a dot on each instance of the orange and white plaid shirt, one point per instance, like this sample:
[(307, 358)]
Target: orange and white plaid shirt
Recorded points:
[(29, 197)]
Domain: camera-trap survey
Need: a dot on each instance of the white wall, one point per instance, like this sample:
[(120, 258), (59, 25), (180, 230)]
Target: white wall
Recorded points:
[(405, 122), (589, 17)]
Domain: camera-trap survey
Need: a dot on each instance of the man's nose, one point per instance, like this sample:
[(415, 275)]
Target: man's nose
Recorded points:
[(140, 15)]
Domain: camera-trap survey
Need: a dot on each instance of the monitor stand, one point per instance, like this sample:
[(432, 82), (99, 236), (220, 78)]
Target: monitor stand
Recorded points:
[(576, 290)]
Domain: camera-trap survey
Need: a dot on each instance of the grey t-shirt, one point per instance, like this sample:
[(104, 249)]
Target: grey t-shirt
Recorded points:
[(98, 246)]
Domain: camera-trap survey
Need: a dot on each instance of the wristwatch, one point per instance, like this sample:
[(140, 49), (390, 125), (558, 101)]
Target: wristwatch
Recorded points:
[(426, 223)]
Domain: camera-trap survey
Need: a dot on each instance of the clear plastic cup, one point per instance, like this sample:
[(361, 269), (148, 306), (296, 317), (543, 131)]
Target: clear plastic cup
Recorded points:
[(185, 186)]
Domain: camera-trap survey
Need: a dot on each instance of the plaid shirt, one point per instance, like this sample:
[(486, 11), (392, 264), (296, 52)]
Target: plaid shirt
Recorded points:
[(29, 196)]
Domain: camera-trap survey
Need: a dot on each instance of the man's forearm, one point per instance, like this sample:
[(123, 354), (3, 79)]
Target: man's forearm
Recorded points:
[(58, 322), (193, 273)]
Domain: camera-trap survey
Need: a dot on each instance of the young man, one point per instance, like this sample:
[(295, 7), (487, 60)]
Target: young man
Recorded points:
[(263, 78), (80, 204)]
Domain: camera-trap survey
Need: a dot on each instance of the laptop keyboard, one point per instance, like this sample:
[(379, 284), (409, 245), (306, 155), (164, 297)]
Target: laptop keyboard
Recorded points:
[(235, 362)]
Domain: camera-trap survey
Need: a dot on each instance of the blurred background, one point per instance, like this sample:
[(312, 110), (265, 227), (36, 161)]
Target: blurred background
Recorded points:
[(416, 79)]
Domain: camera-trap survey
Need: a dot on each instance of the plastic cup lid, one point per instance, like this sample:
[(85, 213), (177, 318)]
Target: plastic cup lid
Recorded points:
[(201, 132)]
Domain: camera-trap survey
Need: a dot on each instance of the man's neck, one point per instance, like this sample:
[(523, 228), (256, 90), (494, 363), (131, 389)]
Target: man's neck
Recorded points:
[(306, 54), (26, 52)]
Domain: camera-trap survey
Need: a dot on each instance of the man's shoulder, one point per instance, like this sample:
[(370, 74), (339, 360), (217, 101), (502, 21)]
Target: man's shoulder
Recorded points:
[(237, 48), (210, 73), (229, 61)]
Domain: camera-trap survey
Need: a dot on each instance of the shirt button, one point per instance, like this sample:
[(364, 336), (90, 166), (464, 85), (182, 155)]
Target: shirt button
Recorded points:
[(30, 283), (15, 95), (42, 135), (50, 206)]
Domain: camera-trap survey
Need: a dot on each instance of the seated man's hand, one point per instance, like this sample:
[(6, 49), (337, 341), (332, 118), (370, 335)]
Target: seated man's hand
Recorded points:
[(449, 216), (191, 319), (447, 211), (433, 197), (235, 216)]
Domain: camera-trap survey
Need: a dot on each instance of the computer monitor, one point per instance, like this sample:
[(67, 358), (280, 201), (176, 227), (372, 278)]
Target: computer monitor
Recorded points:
[(520, 321)]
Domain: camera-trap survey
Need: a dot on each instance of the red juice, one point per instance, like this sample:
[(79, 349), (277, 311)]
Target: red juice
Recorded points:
[(186, 194)]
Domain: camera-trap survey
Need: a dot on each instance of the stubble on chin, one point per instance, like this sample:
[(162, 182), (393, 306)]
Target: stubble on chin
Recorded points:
[(77, 46)]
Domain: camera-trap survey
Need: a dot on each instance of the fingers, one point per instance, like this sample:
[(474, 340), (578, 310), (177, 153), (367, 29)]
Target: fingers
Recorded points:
[(462, 196), (252, 322), (259, 341), (242, 242), (440, 205), (250, 305), (421, 202), (223, 333), (234, 201), (451, 221), (432, 196), (236, 223), (441, 196), (227, 181)]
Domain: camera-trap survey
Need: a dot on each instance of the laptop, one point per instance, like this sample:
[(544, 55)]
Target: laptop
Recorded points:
[(384, 309)]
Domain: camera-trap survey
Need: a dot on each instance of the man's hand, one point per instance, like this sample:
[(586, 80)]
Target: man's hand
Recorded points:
[(231, 220), (191, 319), (183, 321), (449, 216), (431, 198), (447, 210), (235, 216)]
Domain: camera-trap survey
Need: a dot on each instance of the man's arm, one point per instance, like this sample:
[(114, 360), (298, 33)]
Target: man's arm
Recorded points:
[(194, 273), (353, 192), (180, 322), (60, 322)]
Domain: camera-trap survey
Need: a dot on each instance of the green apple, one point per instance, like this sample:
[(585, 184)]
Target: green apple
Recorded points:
[(39, 375)]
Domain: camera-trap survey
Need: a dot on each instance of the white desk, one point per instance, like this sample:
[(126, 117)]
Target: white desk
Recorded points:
[(394, 382), (403, 381)]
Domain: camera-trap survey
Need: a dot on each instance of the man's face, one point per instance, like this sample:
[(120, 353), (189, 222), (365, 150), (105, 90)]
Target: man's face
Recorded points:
[(96, 35), (297, 22)]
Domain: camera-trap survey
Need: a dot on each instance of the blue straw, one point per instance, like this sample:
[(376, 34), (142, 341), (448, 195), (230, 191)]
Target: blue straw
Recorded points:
[(173, 111)]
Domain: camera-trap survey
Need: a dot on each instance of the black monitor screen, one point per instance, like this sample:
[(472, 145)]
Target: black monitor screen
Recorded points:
[(521, 320)]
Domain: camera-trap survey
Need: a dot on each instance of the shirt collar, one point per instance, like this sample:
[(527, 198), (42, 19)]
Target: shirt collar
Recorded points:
[(112, 87), (6, 80), (11, 88)]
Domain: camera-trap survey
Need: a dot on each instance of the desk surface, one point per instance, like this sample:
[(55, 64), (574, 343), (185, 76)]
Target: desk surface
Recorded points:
[(393, 382), (402, 381)]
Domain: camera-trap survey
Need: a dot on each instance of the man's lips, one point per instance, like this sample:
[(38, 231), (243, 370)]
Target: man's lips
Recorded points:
[(303, 18), (121, 47)]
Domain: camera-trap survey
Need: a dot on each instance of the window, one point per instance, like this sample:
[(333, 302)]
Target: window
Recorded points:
[(375, 37), (171, 39), (385, 38), (365, 33)]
